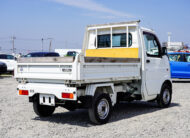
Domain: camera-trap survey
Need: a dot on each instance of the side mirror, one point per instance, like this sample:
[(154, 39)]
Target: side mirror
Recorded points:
[(164, 51)]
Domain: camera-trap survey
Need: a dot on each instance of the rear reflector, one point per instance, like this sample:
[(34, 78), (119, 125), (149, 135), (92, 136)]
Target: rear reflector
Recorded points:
[(68, 95), (23, 92)]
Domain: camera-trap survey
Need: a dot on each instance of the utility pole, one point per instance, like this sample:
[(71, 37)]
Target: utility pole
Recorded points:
[(169, 38), (13, 44), (50, 44), (42, 44)]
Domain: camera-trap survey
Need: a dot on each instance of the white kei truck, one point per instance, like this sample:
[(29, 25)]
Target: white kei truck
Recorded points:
[(118, 62)]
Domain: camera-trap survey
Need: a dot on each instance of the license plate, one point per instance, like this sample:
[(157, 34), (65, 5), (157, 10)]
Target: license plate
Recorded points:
[(47, 99)]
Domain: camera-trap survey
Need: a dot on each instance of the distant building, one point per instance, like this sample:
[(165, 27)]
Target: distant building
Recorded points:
[(174, 46)]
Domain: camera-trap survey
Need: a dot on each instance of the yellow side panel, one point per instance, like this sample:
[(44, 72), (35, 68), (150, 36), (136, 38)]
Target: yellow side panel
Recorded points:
[(113, 53)]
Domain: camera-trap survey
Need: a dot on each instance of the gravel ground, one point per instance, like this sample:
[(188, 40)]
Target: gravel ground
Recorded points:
[(137, 119)]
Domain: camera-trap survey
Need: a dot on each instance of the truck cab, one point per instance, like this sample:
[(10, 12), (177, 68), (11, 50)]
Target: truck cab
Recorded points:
[(118, 62), (131, 42)]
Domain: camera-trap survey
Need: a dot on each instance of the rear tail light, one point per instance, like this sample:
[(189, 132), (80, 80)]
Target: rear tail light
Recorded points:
[(23, 92), (68, 95)]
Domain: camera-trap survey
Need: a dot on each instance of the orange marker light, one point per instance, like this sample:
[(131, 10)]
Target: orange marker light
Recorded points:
[(23, 92), (68, 95)]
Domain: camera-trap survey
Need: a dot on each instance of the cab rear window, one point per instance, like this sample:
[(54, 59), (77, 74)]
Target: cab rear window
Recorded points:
[(118, 40), (104, 41)]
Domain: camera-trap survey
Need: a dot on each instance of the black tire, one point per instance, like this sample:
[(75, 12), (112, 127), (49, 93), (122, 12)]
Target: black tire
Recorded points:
[(165, 97), (43, 110), (12, 73), (106, 107)]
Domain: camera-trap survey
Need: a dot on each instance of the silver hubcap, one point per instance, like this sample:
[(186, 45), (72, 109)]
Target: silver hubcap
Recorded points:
[(166, 96), (103, 108)]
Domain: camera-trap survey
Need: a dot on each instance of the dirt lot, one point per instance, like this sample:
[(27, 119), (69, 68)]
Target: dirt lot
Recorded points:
[(137, 119)]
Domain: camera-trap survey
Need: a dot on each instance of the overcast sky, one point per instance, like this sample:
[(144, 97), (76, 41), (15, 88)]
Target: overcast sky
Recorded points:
[(65, 20)]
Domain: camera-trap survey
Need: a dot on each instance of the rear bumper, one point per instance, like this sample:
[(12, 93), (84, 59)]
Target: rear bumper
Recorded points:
[(52, 89), (10, 69)]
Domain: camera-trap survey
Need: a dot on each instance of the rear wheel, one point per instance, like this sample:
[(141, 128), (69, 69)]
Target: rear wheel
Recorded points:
[(164, 99), (43, 110), (100, 111)]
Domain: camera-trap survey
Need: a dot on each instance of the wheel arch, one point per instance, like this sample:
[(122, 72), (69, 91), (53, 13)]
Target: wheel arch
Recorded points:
[(108, 88), (92, 89), (167, 82)]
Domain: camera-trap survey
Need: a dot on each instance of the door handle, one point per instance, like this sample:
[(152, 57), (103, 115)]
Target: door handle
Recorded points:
[(147, 61)]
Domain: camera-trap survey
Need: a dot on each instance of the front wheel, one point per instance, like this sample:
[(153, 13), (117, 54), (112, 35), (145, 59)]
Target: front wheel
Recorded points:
[(164, 99), (43, 110), (100, 111)]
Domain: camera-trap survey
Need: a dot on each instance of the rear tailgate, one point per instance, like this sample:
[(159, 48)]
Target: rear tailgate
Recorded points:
[(46, 68)]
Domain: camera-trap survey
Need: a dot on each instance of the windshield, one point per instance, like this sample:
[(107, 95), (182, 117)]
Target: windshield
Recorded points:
[(42, 55), (10, 57), (71, 53), (175, 57)]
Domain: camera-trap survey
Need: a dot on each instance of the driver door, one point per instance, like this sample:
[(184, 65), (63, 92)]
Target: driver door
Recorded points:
[(155, 65)]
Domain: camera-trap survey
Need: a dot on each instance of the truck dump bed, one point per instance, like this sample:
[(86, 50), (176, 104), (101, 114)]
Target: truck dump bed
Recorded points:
[(77, 70)]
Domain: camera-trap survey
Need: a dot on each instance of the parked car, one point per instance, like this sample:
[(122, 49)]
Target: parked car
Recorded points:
[(180, 64), (71, 53), (63, 52), (42, 54), (3, 68), (9, 60)]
